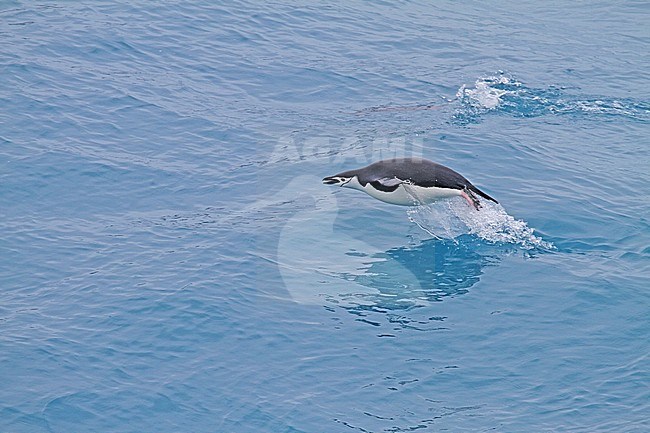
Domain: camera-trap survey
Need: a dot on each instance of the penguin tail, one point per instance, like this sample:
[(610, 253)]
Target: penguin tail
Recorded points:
[(481, 193)]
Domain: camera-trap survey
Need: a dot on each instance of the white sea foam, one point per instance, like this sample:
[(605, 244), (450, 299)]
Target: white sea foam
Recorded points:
[(504, 93), (485, 94), (449, 219)]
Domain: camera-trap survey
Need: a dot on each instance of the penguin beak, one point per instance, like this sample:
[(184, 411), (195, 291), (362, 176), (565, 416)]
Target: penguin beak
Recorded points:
[(333, 180)]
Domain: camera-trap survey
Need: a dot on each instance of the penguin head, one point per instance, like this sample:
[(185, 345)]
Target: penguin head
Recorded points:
[(338, 179)]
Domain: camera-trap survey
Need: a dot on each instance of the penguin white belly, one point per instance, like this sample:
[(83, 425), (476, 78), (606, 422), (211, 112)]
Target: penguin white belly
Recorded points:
[(411, 195)]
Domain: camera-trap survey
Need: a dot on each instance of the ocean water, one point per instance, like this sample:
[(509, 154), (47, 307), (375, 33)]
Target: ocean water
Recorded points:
[(171, 262)]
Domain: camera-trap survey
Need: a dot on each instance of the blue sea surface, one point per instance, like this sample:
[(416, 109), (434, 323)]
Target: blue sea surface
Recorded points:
[(171, 262)]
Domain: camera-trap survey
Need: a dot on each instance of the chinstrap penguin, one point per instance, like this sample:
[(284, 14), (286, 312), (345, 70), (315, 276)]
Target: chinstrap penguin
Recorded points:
[(409, 182)]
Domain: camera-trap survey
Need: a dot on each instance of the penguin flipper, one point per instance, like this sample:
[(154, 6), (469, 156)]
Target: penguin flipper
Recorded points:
[(390, 181), (386, 184)]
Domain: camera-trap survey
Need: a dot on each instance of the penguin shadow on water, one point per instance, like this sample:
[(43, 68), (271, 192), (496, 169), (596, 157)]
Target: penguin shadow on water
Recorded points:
[(437, 269), (322, 265)]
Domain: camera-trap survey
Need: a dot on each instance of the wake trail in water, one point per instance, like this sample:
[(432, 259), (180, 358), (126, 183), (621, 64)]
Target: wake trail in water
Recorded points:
[(450, 219), (502, 93)]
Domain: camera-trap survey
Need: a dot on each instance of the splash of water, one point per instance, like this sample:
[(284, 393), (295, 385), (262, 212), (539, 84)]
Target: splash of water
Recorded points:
[(505, 94), (488, 92), (452, 218)]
